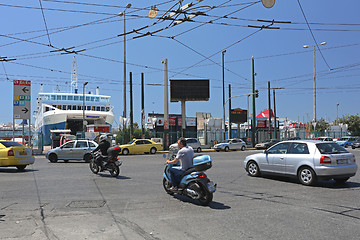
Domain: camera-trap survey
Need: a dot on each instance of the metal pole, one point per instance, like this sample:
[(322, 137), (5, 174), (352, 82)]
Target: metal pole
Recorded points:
[(314, 89), (223, 83), (142, 106), (337, 111), (131, 109), (166, 105), (229, 125), (269, 109), (23, 131), (275, 123), (253, 126), (183, 117), (247, 116), (83, 123), (124, 112)]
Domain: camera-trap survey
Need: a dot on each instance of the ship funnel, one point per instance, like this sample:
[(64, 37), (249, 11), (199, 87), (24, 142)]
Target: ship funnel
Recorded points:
[(97, 91)]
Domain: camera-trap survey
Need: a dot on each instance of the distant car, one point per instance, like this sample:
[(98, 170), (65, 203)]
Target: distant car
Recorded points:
[(266, 144), (346, 141), (141, 146), (73, 150), (356, 144), (294, 138), (327, 139), (192, 142), (13, 154), (308, 160), (230, 144)]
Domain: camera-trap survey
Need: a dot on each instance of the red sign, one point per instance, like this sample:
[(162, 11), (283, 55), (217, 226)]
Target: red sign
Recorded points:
[(22, 82), (172, 121)]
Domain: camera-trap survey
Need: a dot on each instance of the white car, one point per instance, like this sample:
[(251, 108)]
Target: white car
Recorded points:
[(192, 142), (230, 144)]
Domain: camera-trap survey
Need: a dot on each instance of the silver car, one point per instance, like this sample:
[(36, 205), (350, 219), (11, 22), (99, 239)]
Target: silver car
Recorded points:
[(73, 150), (192, 142), (308, 160), (230, 144)]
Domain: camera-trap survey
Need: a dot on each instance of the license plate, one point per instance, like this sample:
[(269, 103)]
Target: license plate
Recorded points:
[(342, 161), (118, 163), (211, 186), (22, 153)]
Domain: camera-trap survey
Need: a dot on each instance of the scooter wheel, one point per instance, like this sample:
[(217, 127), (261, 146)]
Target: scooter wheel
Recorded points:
[(206, 199), (94, 167), (167, 186)]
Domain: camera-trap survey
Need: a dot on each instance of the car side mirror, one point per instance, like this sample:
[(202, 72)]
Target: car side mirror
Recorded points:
[(265, 151)]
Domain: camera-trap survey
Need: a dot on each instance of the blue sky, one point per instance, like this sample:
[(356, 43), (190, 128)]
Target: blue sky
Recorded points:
[(193, 50)]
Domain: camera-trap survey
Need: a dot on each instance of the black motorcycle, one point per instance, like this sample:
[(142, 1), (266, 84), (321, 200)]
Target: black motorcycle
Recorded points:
[(109, 163)]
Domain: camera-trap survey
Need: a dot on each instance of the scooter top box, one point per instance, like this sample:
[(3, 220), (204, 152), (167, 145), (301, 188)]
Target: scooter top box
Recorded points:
[(202, 162)]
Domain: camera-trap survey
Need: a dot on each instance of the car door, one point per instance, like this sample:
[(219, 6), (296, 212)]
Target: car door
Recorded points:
[(297, 152), (147, 145), (138, 147), (234, 144), (80, 149), (277, 157), (65, 151)]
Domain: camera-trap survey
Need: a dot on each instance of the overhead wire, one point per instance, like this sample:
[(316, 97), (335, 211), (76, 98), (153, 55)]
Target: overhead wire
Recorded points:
[(43, 15)]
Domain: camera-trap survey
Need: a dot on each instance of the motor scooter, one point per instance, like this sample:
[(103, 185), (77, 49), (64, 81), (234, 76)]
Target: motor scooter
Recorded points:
[(109, 163), (194, 182)]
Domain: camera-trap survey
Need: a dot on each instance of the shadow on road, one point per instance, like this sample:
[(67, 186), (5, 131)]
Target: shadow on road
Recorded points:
[(14, 170), (108, 175), (212, 205)]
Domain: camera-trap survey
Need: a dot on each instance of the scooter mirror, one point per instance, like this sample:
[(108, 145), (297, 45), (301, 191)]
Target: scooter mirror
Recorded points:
[(164, 155)]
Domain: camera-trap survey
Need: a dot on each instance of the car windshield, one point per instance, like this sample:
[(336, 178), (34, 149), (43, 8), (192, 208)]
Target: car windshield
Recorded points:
[(131, 142), (343, 139), (11, 144), (227, 141), (330, 148)]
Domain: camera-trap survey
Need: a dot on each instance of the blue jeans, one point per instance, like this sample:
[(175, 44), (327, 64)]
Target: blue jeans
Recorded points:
[(175, 175)]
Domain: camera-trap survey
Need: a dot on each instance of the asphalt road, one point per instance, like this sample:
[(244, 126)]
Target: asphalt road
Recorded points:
[(67, 201)]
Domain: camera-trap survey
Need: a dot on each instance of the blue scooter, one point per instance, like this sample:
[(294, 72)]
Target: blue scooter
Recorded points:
[(194, 182)]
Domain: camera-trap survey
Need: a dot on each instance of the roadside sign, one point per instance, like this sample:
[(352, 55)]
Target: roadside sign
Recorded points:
[(22, 99)]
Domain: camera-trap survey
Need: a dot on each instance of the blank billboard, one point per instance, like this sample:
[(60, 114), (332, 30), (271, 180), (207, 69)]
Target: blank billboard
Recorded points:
[(189, 90)]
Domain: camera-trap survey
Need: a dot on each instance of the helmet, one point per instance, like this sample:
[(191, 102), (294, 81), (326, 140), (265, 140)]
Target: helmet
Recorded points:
[(102, 138)]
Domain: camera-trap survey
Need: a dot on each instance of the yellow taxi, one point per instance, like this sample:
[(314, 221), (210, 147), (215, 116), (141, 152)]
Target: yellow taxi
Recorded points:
[(13, 154), (141, 146)]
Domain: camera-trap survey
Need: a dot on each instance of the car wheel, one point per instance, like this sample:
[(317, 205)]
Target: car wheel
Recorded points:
[(198, 149), (352, 147), (307, 176), (21, 168), (226, 149), (243, 148), (66, 161), (53, 158), (253, 169), (341, 180), (153, 150), (87, 157), (217, 150), (125, 151)]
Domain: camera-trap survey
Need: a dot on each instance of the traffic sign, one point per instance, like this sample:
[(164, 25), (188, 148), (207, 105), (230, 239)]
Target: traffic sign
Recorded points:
[(22, 99)]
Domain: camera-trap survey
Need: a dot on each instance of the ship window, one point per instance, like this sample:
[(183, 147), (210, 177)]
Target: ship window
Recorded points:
[(73, 107), (46, 109), (76, 98), (59, 106), (107, 109), (79, 107), (53, 97), (63, 97), (97, 108), (92, 99), (87, 98), (58, 97), (103, 109), (68, 107), (64, 107), (88, 108), (81, 98), (97, 99), (70, 98), (93, 108)]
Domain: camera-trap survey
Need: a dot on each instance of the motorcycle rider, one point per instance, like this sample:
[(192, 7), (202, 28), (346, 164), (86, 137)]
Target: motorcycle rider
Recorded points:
[(103, 147), (185, 155)]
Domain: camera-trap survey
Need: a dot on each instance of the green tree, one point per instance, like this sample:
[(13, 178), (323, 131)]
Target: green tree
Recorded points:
[(352, 121), (123, 136), (322, 125)]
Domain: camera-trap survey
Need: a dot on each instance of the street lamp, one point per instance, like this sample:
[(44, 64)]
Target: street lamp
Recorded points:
[(123, 14), (223, 82), (83, 125), (307, 46)]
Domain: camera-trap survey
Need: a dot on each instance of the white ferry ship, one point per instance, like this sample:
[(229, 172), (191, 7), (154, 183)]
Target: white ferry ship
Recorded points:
[(59, 110)]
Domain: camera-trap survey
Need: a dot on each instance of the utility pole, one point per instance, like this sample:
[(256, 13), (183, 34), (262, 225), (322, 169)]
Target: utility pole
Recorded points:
[(223, 83), (269, 109), (229, 125), (166, 105), (275, 124), (142, 106), (253, 125), (131, 109)]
